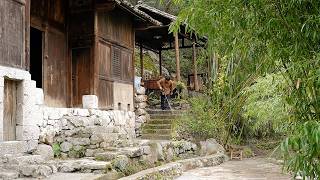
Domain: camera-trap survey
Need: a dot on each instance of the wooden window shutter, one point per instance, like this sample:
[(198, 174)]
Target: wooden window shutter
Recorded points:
[(116, 63)]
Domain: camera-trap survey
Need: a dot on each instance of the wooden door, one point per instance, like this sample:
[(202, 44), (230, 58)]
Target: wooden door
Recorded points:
[(10, 109), (55, 71), (80, 75)]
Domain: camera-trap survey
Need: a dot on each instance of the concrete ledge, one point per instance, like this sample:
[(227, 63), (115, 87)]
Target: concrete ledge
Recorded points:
[(175, 169)]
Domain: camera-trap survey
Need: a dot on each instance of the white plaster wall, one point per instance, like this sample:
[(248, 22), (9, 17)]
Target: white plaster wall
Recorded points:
[(123, 93), (29, 100)]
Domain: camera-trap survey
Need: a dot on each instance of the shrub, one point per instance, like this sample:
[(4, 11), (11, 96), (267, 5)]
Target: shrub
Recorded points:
[(56, 149), (200, 122), (266, 111)]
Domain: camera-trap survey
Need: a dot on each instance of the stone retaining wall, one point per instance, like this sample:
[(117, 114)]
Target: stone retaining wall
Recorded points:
[(83, 132), (142, 115)]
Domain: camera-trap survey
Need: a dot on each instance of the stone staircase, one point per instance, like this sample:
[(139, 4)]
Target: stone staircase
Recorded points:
[(159, 127)]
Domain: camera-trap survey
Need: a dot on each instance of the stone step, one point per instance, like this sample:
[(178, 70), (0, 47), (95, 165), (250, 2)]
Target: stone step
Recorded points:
[(157, 126), (156, 137), (130, 152), (156, 131), (24, 159), (160, 121), (174, 112), (12, 147), (84, 165), (107, 156), (8, 174), (164, 116)]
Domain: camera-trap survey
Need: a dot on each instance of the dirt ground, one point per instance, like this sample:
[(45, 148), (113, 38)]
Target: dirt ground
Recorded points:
[(257, 168)]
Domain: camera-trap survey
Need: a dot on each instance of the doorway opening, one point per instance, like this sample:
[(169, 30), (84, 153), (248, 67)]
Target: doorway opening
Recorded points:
[(36, 56)]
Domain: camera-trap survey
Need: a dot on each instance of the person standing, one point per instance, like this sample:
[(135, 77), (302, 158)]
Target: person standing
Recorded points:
[(166, 87)]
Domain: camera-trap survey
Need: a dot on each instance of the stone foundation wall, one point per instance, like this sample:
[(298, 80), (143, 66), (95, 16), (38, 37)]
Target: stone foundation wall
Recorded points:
[(72, 129), (82, 132)]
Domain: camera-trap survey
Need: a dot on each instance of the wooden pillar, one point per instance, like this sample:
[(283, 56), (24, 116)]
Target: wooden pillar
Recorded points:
[(195, 71), (160, 63), (141, 61), (176, 46)]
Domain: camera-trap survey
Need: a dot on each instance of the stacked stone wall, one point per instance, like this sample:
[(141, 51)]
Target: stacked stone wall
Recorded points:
[(83, 132), (72, 129), (140, 110)]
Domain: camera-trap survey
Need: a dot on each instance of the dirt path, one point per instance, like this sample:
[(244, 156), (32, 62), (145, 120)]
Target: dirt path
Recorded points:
[(247, 169)]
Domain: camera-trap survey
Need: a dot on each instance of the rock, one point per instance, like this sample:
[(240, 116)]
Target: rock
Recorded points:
[(157, 150), (107, 156), (67, 167), (133, 152), (5, 174), (142, 105), (26, 159), (169, 154), (141, 91), (45, 151), (140, 98), (80, 141), (120, 163), (65, 146), (43, 171), (210, 146), (140, 112), (28, 170), (146, 150)]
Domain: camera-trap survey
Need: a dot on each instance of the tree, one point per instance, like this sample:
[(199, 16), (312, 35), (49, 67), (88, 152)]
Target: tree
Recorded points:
[(254, 37)]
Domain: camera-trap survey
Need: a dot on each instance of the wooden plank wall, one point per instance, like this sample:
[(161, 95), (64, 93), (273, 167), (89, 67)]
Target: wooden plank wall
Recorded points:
[(49, 16), (115, 47), (115, 28), (80, 70), (12, 33), (81, 42)]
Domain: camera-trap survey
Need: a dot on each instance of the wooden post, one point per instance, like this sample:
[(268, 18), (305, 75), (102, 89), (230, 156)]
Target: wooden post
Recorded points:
[(195, 72), (160, 63), (176, 46), (141, 61)]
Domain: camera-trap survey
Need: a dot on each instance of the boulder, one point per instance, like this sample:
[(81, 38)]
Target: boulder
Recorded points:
[(45, 151), (120, 163), (210, 146), (65, 146)]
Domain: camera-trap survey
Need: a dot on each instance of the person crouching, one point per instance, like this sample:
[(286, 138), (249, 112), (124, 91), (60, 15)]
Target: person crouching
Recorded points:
[(166, 88)]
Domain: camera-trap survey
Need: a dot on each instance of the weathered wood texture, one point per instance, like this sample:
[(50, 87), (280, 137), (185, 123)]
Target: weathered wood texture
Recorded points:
[(105, 82), (80, 74), (49, 16), (12, 33), (55, 70), (116, 27), (10, 110)]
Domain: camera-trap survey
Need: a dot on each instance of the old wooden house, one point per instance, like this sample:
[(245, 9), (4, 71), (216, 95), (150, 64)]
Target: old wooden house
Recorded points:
[(73, 48), (61, 50)]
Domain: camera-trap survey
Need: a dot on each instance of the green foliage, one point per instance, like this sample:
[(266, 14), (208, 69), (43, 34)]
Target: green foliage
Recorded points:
[(201, 122), (265, 109), (301, 151), (148, 63), (246, 40), (56, 149), (180, 86)]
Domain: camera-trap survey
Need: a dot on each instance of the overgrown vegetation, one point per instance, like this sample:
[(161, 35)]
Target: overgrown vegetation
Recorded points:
[(248, 41), (56, 149)]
